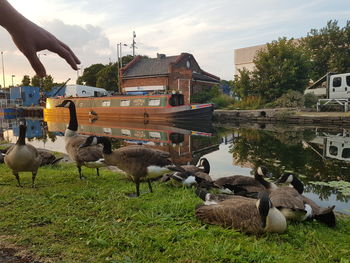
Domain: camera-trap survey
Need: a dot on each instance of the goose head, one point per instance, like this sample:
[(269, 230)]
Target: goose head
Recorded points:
[(91, 140), (262, 171), (293, 180), (204, 164)]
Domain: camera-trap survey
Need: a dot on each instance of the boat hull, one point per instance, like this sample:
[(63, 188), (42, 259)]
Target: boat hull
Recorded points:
[(163, 113)]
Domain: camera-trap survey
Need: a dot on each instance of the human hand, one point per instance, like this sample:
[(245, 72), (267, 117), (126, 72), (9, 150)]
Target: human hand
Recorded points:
[(30, 38)]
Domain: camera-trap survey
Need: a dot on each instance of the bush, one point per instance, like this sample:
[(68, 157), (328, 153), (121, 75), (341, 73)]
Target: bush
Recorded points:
[(291, 99), (248, 103), (310, 100), (206, 95), (222, 101)]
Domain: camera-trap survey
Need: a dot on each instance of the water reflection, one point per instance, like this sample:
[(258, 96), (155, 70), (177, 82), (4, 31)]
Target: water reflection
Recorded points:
[(313, 154)]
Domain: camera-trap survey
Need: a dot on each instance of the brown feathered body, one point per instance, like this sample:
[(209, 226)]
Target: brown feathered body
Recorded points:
[(241, 213), (135, 159), (23, 158), (87, 156)]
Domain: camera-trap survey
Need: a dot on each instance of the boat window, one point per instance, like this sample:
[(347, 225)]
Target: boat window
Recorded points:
[(177, 100), (337, 82), (106, 103), (125, 103), (346, 153), (333, 150), (107, 130), (154, 102), (154, 135), (348, 80), (126, 132)]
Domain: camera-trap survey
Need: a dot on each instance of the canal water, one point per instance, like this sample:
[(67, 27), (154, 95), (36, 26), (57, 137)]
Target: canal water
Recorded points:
[(319, 156)]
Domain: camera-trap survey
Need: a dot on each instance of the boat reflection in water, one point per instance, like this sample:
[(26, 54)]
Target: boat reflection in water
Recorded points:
[(180, 140)]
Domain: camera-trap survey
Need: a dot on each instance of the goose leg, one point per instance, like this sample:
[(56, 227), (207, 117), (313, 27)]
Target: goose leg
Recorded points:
[(17, 177), (80, 174), (137, 183), (149, 185), (98, 172), (33, 179)]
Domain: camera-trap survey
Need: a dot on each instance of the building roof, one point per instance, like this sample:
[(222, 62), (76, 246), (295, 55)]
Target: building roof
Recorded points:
[(208, 78), (150, 67)]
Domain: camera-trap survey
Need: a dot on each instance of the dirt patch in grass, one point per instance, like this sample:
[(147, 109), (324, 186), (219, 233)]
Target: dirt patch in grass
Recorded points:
[(10, 253)]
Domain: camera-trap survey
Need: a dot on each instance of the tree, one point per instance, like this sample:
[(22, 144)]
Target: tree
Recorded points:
[(36, 81), (328, 49), (89, 76), (107, 78), (242, 83), (281, 67), (47, 83), (25, 80)]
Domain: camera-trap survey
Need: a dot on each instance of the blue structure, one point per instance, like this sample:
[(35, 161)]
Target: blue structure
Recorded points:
[(29, 95), (34, 129)]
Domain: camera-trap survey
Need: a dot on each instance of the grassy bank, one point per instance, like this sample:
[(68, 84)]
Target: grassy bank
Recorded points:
[(69, 220)]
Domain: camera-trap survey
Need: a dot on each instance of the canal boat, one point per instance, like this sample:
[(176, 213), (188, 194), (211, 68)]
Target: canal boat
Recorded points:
[(163, 107)]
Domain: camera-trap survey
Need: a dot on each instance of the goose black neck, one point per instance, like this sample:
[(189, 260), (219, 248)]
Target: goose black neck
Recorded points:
[(107, 146), (22, 135), (261, 180), (73, 121), (298, 185)]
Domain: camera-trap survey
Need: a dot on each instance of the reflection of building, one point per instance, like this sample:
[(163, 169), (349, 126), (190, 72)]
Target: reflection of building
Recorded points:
[(166, 74)]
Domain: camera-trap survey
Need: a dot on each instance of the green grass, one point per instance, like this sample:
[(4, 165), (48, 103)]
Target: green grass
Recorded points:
[(69, 220)]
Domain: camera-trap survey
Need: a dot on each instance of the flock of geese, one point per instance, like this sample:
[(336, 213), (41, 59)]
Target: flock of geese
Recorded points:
[(248, 204)]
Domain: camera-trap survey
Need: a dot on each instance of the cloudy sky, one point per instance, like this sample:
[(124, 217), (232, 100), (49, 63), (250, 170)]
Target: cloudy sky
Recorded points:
[(208, 29)]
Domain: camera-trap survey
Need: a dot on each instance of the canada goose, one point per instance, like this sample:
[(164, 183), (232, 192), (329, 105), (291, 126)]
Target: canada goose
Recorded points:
[(182, 172), (313, 211), (324, 215), (137, 161), (188, 178), (244, 214), (48, 158), (245, 185), (23, 157), (91, 156), (293, 180)]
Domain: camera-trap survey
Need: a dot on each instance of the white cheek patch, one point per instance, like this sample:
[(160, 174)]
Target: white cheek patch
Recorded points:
[(94, 141), (260, 172), (67, 105), (289, 179), (308, 210)]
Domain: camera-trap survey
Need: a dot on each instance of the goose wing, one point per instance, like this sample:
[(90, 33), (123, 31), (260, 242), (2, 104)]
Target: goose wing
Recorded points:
[(236, 180), (144, 155), (91, 153), (287, 197), (238, 212)]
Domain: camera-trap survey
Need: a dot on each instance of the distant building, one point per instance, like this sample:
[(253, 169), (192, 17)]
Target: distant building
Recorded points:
[(243, 57), (166, 74)]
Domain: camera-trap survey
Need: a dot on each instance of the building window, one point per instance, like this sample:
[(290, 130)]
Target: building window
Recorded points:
[(337, 82), (125, 103)]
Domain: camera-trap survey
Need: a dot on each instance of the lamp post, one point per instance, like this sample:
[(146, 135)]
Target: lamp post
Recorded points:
[(119, 51), (12, 76), (3, 69)]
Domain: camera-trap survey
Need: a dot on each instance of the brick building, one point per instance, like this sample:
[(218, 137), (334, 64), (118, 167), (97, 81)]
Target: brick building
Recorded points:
[(166, 74)]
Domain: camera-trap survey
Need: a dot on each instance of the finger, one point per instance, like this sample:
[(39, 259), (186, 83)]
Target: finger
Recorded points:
[(65, 54), (36, 64), (76, 59)]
